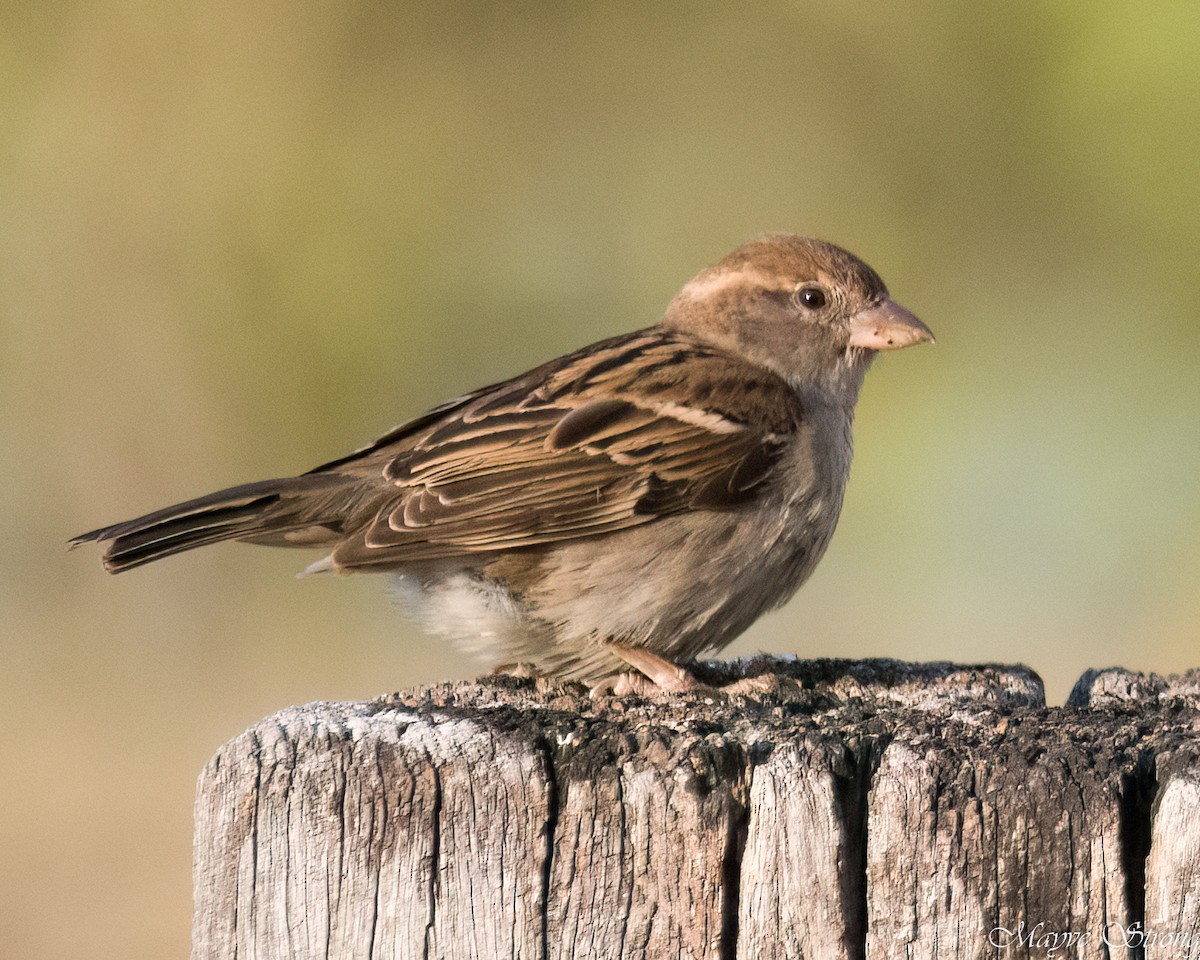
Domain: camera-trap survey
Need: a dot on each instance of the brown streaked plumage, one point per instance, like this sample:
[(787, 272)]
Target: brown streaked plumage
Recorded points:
[(634, 503)]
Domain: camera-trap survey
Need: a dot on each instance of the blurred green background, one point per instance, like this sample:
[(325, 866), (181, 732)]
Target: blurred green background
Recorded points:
[(241, 238)]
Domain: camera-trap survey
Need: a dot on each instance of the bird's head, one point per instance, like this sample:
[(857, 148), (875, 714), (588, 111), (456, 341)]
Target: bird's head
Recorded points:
[(804, 308)]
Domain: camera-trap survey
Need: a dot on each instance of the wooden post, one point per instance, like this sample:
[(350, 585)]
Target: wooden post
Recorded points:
[(844, 810)]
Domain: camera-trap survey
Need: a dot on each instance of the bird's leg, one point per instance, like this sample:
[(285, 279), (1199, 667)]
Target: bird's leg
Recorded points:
[(665, 675)]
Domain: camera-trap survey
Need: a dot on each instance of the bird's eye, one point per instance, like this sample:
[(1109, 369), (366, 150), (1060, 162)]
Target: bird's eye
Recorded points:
[(811, 296)]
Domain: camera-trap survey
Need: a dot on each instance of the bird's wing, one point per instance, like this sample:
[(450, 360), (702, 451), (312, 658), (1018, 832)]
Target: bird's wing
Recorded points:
[(611, 437)]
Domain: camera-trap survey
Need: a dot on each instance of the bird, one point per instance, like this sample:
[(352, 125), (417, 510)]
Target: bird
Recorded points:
[(610, 515)]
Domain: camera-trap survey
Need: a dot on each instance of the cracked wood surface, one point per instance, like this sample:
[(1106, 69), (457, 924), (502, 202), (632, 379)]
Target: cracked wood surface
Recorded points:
[(850, 809)]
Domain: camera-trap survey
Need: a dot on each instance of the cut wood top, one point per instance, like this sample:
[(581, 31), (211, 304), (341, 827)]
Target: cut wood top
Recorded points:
[(841, 809)]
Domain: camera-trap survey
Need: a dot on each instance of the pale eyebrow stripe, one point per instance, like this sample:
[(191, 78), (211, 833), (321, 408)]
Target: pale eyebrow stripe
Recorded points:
[(703, 287)]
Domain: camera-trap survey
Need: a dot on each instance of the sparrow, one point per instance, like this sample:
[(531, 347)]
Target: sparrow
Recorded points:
[(612, 514)]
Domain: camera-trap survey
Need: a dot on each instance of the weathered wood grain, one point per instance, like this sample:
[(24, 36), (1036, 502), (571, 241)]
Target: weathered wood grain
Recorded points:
[(977, 831), (341, 832), (1172, 913), (801, 880), (844, 810)]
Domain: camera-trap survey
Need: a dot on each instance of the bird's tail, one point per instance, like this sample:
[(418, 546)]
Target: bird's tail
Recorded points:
[(264, 512)]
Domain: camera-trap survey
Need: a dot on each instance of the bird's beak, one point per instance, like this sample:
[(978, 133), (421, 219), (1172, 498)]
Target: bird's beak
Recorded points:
[(887, 326)]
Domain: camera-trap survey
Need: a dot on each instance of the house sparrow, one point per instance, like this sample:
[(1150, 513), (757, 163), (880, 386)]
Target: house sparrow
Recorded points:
[(630, 505)]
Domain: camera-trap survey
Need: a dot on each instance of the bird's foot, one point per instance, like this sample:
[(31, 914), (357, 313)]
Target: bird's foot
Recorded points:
[(516, 670), (623, 684), (654, 675), (633, 683), (763, 684)]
